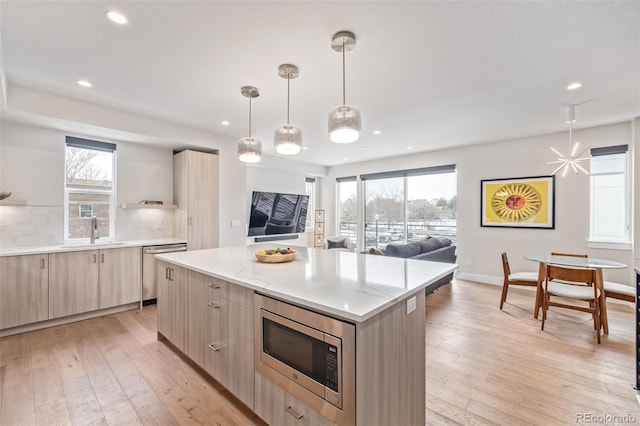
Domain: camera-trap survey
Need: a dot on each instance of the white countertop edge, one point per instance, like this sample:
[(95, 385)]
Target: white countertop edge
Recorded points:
[(61, 248), (309, 304), (348, 315)]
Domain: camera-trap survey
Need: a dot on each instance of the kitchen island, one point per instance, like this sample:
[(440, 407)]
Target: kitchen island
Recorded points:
[(206, 310)]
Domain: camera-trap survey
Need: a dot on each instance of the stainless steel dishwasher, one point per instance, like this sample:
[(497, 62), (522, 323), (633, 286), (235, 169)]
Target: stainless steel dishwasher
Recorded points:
[(149, 285)]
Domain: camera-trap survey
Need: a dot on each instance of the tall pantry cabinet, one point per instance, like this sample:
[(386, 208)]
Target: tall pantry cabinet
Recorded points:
[(195, 192)]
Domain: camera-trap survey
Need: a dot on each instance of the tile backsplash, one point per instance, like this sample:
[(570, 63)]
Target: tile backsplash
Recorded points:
[(37, 226), (31, 226)]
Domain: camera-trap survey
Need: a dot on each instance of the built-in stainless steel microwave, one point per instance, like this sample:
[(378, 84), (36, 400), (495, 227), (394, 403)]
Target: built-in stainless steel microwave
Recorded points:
[(311, 356)]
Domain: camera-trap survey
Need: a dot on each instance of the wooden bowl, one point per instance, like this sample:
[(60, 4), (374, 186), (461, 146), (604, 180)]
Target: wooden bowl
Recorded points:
[(276, 258)]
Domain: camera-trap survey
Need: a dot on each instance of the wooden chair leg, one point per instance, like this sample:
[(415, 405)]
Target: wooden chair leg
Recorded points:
[(544, 311), (505, 288), (597, 318)]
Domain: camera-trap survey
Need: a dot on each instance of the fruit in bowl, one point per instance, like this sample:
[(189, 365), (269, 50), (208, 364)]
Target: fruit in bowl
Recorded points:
[(276, 255)]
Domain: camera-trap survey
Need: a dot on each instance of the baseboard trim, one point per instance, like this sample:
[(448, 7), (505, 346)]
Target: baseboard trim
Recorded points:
[(479, 278), (65, 320)]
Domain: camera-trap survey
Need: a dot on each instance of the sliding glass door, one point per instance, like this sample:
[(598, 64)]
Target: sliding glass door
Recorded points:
[(408, 205)]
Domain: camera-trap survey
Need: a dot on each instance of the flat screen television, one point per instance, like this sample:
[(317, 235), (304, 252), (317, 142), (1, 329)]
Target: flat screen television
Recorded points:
[(277, 213)]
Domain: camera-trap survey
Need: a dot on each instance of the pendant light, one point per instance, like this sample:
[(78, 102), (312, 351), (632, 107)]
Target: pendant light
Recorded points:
[(249, 149), (344, 120), (288, 137), (572, 160)]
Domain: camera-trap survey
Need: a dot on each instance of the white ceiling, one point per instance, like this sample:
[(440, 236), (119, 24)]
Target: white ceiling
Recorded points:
[(429, 75)]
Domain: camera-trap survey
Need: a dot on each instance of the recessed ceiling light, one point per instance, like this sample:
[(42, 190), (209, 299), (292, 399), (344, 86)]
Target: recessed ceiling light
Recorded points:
[(376, 132), (224, 122), (116, 17), (575, 85), (409, 147), (305, 148), (84, 83), (345, 158)]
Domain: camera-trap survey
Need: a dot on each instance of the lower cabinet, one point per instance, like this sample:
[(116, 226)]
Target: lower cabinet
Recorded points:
[(83, 281), (24, 289), (73, 283), (172, 303), (221, 333), (277, 407), (120, 276)]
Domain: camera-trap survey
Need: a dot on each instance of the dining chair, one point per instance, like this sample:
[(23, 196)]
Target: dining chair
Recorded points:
[(529, 279), (557, 285), (571, 255)]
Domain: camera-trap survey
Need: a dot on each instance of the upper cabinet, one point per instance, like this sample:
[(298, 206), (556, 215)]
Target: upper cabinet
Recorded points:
[(195, 192)]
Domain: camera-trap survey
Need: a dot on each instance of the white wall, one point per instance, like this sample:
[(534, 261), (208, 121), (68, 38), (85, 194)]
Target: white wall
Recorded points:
[(636, 189), (481, 246), (32, 168), (102, 123)]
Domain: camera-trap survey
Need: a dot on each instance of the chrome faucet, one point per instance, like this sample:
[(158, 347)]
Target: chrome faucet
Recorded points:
[(94, 229)]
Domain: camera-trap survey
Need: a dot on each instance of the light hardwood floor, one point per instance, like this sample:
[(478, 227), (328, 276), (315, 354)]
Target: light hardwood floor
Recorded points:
[(483, 366), (486, 366)]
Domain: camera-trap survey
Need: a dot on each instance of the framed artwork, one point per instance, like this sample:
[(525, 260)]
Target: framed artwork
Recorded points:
[(319, 215), (527, 202), (319, 228)]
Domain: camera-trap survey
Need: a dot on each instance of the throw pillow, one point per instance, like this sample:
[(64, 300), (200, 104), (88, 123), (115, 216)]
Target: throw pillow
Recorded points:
[(376, 251), (403, 250), (336, 243), (430, 245)]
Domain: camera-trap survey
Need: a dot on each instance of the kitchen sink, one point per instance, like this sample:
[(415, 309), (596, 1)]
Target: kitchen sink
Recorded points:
[(101, 244)]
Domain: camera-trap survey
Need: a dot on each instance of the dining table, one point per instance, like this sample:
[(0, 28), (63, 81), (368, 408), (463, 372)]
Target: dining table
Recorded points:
[(598, 265)]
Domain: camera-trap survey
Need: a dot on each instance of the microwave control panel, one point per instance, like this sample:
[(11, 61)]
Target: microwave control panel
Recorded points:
[(331, 362)]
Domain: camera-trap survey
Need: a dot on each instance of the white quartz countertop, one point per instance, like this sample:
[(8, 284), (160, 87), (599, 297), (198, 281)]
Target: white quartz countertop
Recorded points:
[(347, 285), (16, 251)]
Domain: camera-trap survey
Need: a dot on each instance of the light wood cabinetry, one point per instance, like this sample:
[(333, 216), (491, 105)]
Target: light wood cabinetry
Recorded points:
[(195, 192), (172, 303), (73, 283), (83, 281), (120, 272), (390, 366), (220, 332), (277, 407), (24, 289)]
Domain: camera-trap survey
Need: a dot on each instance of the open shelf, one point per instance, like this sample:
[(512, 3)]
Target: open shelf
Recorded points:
[(148, 206), (12, 202)]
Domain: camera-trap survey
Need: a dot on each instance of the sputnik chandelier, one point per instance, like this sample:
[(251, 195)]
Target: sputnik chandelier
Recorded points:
[(573, 159)]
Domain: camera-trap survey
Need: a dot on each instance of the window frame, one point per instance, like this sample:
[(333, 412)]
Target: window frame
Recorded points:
[(80, 211), (405, 175), (88, 144), (602, 243)]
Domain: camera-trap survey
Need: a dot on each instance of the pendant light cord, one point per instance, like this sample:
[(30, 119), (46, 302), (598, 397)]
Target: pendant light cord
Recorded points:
[(344, 102), (249, 116), (570, 139), (288, 86)]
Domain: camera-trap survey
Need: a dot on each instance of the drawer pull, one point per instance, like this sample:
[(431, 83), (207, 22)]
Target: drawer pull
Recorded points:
[(214, 305), (294, 413), (42, 263), (214, 286), (214, 347)]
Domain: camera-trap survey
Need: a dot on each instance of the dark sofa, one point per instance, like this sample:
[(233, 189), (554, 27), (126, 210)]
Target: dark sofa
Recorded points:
[(433, 249)]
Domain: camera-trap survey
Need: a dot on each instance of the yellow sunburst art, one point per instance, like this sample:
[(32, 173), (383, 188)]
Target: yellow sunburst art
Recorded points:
[(516, 202)]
